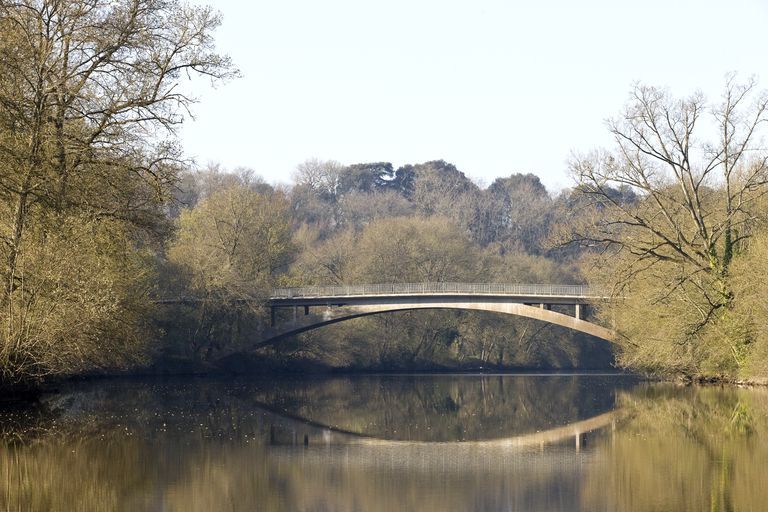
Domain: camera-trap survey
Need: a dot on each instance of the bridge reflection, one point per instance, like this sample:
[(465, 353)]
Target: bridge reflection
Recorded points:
[(490, 410), (289, 430)]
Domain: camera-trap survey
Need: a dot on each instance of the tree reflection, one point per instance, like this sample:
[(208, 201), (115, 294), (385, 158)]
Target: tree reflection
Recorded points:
[(689, 449), (129, 474)]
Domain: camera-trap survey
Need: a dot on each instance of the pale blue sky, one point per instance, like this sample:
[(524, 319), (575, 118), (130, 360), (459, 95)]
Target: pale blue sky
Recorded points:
[(492, 86)]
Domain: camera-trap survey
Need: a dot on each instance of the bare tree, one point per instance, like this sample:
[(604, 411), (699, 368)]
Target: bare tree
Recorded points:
[(232, 245), (91, 93), (90, 96), (322, 177), (697, 197), (698, 173)]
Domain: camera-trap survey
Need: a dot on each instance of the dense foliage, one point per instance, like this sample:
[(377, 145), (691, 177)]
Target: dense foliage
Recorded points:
[(89, 98)]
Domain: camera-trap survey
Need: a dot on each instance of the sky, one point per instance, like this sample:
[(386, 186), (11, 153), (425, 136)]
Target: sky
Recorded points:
[(494, 87)]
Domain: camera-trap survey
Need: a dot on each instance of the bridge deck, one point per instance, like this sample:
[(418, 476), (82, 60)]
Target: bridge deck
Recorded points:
[(533, 293)]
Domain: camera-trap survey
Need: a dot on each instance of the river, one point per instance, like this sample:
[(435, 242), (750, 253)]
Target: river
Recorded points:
[(387, 443)]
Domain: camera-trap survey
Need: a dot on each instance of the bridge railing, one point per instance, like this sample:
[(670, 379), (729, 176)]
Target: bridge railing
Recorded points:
[(526, 290)]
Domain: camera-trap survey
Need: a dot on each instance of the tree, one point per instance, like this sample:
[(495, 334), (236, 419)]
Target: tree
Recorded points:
[(84, 304), (323, 261), (439, 188), (436, 186), (414, 250), (315, 194), (518, 211), (516, 341), (90, 96), (358, 209), (372, 177), (671, 250), (322, 177), (84, 84), (750, 315), (401, 249), (234, 242), (232, 246), (197, 184)]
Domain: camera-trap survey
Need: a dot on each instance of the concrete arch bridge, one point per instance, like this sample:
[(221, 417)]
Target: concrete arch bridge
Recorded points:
[(318, 306)]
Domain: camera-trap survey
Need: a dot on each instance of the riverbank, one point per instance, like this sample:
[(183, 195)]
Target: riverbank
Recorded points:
[(240, 366), (244, 366)]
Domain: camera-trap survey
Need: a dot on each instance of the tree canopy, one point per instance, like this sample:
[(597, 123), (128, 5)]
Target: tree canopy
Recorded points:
[(90, 96), (699, 174)]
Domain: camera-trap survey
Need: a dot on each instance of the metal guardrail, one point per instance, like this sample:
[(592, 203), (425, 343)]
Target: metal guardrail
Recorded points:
[(522, 290)]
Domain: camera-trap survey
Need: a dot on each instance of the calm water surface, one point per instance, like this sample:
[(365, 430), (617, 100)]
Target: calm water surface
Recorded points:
[(388, 443)]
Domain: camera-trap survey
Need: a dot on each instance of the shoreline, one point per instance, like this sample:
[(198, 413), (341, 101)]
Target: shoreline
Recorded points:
[(16, 394)]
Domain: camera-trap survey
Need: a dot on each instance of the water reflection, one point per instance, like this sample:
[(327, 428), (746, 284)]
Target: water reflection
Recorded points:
[(446, 408), (386, 443), (685, 449)]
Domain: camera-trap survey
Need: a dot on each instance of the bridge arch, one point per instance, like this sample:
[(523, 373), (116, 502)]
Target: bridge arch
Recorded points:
[(335, 314)]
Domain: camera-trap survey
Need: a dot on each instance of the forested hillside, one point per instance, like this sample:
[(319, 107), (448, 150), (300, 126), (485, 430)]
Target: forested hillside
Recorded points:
[(672, 221), (368, 223)]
